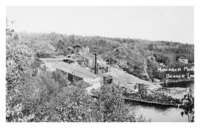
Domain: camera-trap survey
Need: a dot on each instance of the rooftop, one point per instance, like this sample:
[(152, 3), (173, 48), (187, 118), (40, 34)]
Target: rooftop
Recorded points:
[(59, 64)]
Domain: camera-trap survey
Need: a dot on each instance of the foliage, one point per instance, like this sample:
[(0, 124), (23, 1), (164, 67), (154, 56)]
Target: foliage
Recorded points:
[(133, 55), (110, 105), (44, 100), (134, 51), (161, 58), (9, 31), (33, 94), (152, 69), (188, 103), (45, 96), (60, 77)]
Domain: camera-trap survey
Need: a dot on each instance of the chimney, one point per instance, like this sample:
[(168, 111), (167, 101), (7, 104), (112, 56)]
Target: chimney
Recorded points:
[(96, 70)]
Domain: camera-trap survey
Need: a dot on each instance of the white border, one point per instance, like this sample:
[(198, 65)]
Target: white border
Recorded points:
[(100, 3)]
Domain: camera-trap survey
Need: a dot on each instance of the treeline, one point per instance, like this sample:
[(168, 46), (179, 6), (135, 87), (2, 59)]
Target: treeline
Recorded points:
[(143, 56)]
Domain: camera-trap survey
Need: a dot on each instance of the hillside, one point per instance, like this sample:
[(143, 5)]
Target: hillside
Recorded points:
[(34, 95), (140, 57)]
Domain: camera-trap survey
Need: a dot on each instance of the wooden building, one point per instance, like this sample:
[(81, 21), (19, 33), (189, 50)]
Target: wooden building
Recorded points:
[(74, 73)]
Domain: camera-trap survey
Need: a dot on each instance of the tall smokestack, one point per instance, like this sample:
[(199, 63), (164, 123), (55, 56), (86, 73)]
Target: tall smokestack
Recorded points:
[(96, 70)]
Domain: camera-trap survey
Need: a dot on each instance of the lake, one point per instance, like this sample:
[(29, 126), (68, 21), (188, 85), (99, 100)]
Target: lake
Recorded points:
[(158, 113)]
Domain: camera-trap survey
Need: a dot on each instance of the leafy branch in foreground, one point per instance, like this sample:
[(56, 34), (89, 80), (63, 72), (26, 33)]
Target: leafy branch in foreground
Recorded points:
[(188, 102)]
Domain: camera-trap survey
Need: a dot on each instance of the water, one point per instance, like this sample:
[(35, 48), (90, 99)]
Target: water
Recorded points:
[(183, 84), (158, 113)]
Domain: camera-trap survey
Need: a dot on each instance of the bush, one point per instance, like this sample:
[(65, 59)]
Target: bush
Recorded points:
[(110, 105)]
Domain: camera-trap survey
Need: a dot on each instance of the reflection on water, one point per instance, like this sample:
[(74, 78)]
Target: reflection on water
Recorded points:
[(158, 113), (183, 84)]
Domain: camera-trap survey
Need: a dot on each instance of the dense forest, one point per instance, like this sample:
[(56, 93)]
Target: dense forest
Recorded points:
[(46, 96), (143, 57)]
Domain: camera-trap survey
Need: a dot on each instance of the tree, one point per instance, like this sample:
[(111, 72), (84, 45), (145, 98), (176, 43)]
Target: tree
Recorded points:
[(9, 31), (151, 47), (110, 107), (188, 104), (152, 68)]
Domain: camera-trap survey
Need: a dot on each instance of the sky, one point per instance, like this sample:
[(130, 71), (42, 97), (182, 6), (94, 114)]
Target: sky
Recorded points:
[(172, 23)]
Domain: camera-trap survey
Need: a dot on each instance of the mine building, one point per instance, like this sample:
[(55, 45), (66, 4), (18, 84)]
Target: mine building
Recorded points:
[(75, 74)]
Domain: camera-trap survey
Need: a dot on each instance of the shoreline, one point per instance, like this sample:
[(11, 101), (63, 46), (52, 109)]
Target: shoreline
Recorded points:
[(176, 81)]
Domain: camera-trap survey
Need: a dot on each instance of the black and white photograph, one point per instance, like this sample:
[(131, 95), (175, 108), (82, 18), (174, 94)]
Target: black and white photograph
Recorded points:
[(99, 64)]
